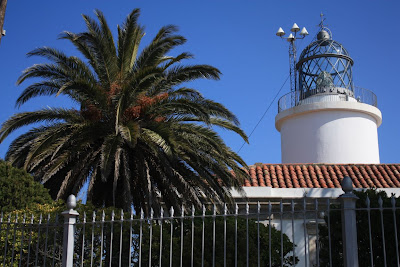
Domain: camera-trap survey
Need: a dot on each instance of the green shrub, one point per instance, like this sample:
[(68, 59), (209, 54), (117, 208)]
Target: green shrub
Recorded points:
[(18, 190)]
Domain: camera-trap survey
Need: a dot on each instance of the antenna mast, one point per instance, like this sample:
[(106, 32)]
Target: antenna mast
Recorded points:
[(292, 66), (292, 56)]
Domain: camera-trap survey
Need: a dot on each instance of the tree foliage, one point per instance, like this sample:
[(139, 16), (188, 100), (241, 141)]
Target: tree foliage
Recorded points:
[(363, 235), (139, 137), (18, 190), (32, 236)]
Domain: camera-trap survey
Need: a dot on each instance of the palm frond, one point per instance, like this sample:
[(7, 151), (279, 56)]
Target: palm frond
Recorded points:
[(129, 37), (108, 150), (44, 115), (162, 44)]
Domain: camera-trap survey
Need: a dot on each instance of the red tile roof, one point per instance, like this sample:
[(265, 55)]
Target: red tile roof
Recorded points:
[(324, 175)]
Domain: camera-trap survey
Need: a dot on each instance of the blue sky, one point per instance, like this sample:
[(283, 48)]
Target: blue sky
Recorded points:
[(236, 36)]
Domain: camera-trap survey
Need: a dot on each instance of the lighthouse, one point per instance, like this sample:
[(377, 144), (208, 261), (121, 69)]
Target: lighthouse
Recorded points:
[(326, 118)]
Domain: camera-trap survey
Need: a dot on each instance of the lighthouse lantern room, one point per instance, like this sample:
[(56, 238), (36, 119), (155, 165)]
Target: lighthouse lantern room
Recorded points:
[(325, 118)]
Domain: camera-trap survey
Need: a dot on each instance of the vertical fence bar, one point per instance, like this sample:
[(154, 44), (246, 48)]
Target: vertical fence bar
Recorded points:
[(380, 202), (317, 231), (225, 213), (45, 243), (1, 224), (258, 233), (281, 221), (6, 242), (103, 216), (30, 240), (247, 234), (70, 216), (161, 235), (213, 253), (349, 224), (130, 238), (55, 240), (171, 239), (182, 217), (141, 236), (293, 240), (269, 233), (368, 203), (22, 238), (120, 238), (111, 236), (393, 201), (236, 234), (38, 240), (192, 252), (92, 247), (305, 230), (150, 233), (328, 202), (202, 236), (14, 236), (83, 237)]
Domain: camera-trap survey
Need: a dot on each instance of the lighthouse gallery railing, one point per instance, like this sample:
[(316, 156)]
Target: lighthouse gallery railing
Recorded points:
[(361, 95)]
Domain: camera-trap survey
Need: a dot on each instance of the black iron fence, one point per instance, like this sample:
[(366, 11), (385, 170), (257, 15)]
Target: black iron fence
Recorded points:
[(283, 232)]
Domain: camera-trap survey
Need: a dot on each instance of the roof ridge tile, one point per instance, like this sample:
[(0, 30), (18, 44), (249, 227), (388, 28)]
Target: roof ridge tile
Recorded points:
[(370, 170), (307, 176), (321, 179), (314, 177), (267, 177), (396, 172), (334, 178)]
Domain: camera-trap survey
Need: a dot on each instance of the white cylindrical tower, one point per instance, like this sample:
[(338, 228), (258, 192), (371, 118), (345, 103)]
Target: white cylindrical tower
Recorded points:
[(326, 119)]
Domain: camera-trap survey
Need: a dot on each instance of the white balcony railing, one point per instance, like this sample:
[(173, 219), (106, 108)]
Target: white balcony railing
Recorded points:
[(297, 98)]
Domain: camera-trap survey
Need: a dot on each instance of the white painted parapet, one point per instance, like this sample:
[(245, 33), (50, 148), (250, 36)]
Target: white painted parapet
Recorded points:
[(268, 193), (329, 132)]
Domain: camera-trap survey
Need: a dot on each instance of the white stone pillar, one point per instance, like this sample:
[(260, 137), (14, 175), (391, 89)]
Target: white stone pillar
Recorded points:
[(70, 216)]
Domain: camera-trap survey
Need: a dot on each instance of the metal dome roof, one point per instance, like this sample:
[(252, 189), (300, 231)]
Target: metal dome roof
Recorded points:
[(323, 47)]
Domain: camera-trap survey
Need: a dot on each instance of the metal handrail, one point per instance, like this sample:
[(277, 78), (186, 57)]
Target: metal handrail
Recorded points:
[(297, 98)]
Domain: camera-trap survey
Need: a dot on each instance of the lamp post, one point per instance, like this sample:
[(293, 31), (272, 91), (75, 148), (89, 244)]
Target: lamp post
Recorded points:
[(292, 53)]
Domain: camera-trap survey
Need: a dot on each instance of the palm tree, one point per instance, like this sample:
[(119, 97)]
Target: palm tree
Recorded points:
[(139, 137)]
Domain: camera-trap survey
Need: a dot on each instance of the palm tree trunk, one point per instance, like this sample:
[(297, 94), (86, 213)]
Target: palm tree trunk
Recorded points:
[(3, 5)]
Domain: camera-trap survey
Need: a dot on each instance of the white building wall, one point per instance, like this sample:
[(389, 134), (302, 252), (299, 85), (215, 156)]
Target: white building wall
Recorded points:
[(268, 193), (299, 240), (329, 132)]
